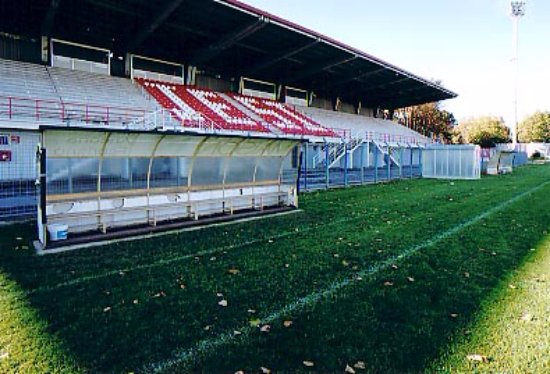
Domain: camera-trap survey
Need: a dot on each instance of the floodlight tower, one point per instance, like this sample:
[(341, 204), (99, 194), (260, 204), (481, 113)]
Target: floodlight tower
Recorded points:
[(517, 11)]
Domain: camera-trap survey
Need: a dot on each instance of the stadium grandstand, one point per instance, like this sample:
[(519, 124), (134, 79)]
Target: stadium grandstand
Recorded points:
[(142, 116)]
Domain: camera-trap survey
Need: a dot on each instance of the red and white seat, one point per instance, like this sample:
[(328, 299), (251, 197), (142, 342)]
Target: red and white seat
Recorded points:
[(197, 107), (284, 117), (231, 116)]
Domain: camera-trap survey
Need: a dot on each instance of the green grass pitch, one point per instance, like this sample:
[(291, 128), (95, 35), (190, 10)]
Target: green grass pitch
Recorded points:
[(387, 277)]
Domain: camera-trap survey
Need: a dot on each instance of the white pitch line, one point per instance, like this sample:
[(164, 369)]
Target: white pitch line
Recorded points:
[(187, 358), (77, 281), (159, 263)]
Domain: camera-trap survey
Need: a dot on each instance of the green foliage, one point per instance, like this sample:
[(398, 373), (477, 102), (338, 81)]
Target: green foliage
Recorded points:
[(485, 131), (535, 128), (428, 119), (120, 307)]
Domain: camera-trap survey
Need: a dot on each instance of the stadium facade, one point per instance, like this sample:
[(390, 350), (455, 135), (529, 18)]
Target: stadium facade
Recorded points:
[(142, 116)]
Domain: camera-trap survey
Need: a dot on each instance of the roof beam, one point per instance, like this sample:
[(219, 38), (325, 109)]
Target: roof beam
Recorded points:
[(364, 90), (211, 51), (163, 14), (403, 103), (273, 59), (358, 78), (319, 68), (398, 96), (49, 19), (383, 86)]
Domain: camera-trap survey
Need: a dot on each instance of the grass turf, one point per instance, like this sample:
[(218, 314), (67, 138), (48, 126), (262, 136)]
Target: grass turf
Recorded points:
[(511, 334), (122, 307)]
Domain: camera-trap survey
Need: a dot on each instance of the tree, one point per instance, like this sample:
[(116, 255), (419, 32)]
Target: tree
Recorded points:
[(428, 119), (535, 128), (485, 131)]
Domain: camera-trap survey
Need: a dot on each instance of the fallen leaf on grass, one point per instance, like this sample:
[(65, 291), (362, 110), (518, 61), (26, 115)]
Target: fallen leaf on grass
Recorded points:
[(233, 271), (219, 294), (160, 294), (349, 370), (388, 284), (287, 323), (265, 370), (394, 267), (359, 365), (512, 287), (526, 317), (265, 328), (255, 322), (237, 332), (467, 275), (410, 279), (308, 363), (208, 327), (478, 358), (4, 355), (223, 303), (251, 311), (345, 263)]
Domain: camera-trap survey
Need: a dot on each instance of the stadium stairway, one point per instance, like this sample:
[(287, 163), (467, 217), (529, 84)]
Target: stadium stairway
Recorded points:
[(336, 151), (384, 148)]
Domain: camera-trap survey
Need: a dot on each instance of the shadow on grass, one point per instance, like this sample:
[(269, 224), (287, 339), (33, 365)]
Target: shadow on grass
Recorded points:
[(396, 321), (402, 327)]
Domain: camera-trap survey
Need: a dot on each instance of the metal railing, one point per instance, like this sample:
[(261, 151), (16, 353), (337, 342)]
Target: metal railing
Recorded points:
[(53, 111)]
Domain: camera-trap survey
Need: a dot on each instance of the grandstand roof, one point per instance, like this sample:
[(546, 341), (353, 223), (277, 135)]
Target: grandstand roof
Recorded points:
[(225, 37)]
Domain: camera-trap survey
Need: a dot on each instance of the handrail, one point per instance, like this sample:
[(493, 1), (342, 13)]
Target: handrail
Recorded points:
[(72, 103), (14, 107)]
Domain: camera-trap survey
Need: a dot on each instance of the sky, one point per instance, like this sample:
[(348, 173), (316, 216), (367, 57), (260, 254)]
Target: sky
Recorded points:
[(467, 44)]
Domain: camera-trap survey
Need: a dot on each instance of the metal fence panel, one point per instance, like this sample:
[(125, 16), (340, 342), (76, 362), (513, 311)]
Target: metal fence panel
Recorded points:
[(18, 174), (451, 162)]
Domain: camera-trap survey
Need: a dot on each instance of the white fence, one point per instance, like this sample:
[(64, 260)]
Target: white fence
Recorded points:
[(451, 161)]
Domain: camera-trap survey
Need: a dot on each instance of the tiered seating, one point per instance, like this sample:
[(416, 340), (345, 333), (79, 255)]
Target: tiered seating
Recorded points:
[(379, 129), (24, 80), (54, 95), (284, 117), (164, 94), (222, 109), (97, 89), (198, 107)]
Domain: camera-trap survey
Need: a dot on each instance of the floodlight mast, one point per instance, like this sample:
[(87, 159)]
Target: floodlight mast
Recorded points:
[(517, 11)]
